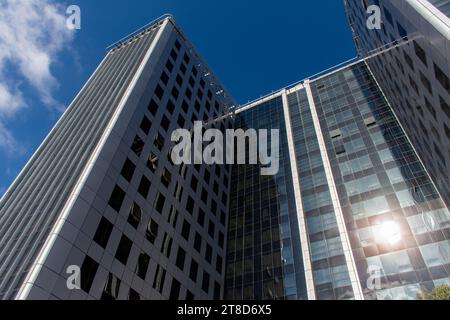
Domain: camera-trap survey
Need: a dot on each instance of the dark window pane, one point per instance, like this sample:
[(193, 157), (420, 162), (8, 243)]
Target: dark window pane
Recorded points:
[(142, 265), (160, 277), (159, 92), (198, 242), (208, 253), (160, 201), (165, 123), (205, 282), (164, 78), (181, 257), (117, 197), (144, 187), (124, 249), (175, 290), (146, 125), (152, 231), (128, 170), (201, 217), (153, 107), (185, 230), (88, 272), (134, 218), (219, 264), (103, 232), (133, 295), (138, 146), (216, 291), (193, 271), (211, 229)]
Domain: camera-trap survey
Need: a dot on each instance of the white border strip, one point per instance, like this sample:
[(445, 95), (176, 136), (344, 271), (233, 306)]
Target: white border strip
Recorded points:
[(33, 274), (298, 202), (357, 290)]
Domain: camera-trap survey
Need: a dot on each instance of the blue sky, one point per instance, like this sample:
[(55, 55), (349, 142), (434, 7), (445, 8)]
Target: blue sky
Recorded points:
[(253, 47)]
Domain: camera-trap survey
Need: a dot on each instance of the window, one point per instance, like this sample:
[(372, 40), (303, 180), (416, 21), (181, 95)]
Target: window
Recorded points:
[(169, 66), (159, 92), (185, 230), (152, 162), (152, 231), (164, 78), (153, 107), (180, 121), (174, 55), (426, 82), (144, 187), (160, 276), (88, 271), (445, 107), (177, 45), (194, 183), (219, 264), (183, 68), (409, 61), (133, 295), (186, 58), (166, 178), (208, 253), (190, 205), (223, 216), (185, 106), (175, 290), (193, 271), (442, 78), (221, 239), (142, 265), (211, 229), (160, 201), (420, 53), (103, 232), (202, 83), (173, 217), (194, 71), (198, 242), (166, 246), (137, 146), (175, 93), (216, 291), (124, 249), (117, 197), (205, 282), (159, 142), (179, 80), (111, 288), (181, 257), (128, 170), (165, 123), (145, 125), (402, 32), (204, 196), (170, 106), (134, 218), (191, 82), (189, 296), (201, 217)]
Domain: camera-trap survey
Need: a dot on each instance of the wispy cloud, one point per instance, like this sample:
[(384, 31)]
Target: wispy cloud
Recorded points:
[(32, 34)]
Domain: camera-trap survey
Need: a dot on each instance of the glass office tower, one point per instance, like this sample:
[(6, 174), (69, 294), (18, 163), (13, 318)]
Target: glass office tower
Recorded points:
[(410, 58), (352, 205)]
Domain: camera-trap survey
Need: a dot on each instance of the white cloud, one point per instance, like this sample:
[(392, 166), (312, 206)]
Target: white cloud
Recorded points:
[(32, 34), (8, 143)]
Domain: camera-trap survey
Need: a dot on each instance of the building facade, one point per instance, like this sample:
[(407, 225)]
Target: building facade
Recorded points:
[(352, 207), (358, 209), (410, 58), (102, 195)]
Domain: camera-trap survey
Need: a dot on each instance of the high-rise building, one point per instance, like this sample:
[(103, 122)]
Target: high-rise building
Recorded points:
[(102, 194), (355, 210), (352, 213), (410, 58)]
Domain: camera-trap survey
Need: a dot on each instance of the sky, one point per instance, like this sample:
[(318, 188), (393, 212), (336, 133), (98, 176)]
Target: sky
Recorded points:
[(253, 47)]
